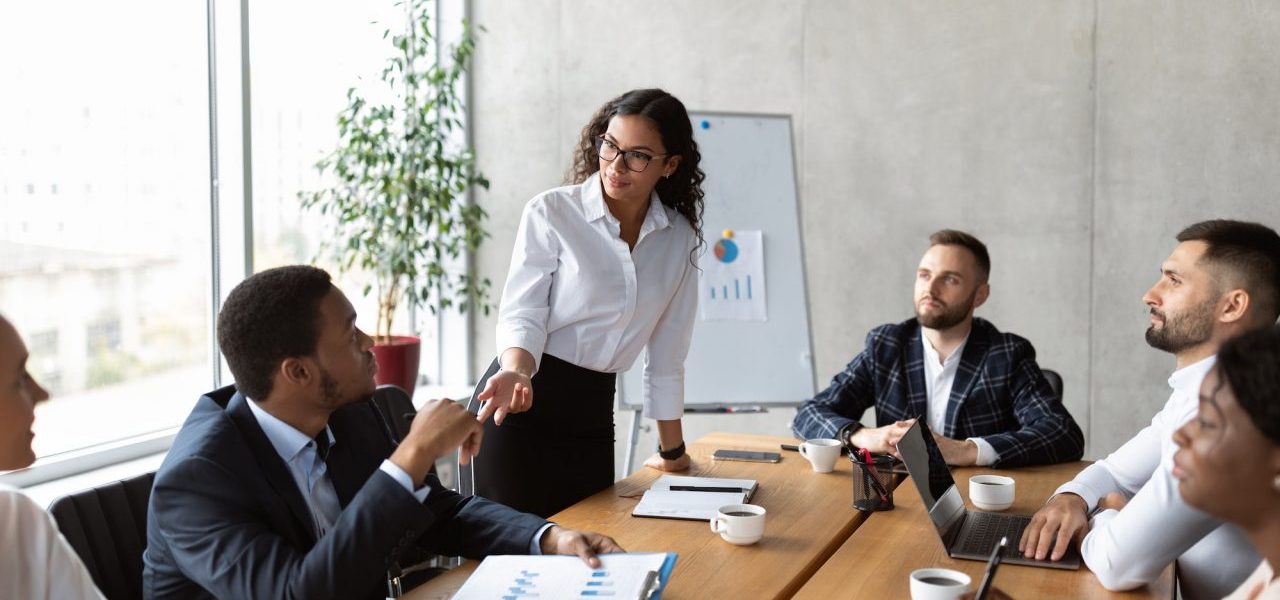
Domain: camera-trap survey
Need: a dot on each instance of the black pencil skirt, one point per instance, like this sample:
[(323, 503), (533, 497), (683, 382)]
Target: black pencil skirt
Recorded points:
[(560, 451)]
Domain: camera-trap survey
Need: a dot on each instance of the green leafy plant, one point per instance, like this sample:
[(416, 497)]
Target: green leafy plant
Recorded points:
[(398, 199)]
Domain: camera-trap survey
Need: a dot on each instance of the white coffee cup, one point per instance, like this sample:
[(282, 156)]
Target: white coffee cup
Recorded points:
[(991, 492), (741, 524), (938, 584), (821, 453)]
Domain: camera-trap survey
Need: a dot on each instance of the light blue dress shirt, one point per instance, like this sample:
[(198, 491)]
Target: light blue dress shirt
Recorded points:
[(311, 474)]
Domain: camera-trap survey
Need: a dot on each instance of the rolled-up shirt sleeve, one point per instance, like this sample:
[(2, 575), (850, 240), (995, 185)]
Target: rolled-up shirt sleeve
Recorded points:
[(667, 350), (526, 297)]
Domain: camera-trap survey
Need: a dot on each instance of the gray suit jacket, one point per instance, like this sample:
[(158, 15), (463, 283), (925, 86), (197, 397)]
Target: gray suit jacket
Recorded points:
[(226, 520)]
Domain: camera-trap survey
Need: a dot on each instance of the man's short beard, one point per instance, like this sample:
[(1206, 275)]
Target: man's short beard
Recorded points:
[(949, 317), (329, 390), (1183, 330)]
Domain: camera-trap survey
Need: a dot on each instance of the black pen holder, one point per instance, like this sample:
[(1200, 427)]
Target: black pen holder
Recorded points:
[(872, 483)]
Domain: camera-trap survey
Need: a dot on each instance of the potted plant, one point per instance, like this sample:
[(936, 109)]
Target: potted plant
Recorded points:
[(398, 193)]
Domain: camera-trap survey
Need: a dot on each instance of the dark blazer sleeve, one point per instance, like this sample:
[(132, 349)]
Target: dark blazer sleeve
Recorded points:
[(1046, 432), (473, 527), (849, 395), (222, 539)]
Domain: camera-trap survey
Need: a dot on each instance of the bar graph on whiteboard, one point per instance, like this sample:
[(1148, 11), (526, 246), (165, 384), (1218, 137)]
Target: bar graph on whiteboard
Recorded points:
[(732, 278)]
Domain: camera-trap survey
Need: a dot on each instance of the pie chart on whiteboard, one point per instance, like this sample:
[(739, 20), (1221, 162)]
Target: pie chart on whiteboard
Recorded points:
[(726, 251)]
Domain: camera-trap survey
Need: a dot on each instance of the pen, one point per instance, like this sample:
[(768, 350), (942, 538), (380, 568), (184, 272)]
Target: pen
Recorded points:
[(794, 448), (992, 564), (699, 488)]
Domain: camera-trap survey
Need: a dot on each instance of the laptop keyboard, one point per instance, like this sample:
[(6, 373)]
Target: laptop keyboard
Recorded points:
[(984, 530)]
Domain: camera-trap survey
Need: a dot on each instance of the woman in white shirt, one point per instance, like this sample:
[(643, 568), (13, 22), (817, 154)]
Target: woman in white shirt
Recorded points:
[(35, 560), (1228, 459), (601, 270)]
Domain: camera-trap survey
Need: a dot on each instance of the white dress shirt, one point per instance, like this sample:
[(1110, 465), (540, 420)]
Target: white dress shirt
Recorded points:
[(939, 378), (1130, 547), (576, 291), (1262, 585), (37, 563), (311, 474)]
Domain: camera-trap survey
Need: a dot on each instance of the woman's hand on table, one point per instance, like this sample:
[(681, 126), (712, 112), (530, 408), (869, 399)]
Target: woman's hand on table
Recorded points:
[(684, 463)]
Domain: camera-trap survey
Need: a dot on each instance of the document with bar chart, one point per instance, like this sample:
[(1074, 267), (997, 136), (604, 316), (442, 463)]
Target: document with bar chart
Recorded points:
[(732, 279), (634, 576)]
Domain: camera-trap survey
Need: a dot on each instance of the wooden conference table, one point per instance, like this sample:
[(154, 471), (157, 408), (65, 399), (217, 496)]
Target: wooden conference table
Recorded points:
[(809, 549)]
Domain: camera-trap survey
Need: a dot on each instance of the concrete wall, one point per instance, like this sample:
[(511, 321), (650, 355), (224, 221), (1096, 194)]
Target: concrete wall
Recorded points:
[(1075, 138)]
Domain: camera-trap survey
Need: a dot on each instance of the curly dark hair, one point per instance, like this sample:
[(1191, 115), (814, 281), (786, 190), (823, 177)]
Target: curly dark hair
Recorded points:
[(683, 189), (271, 316), (1251, 364)]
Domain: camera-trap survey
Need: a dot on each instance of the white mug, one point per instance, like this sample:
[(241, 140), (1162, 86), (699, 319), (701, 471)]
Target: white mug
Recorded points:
[(821, 453), (991, 492), (938, 584), (741, 524)]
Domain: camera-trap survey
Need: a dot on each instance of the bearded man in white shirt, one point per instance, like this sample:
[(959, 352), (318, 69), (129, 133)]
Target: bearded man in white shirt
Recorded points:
[(1222, 279)]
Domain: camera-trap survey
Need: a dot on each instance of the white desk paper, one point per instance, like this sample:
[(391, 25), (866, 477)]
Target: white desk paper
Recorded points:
[(620, 577)]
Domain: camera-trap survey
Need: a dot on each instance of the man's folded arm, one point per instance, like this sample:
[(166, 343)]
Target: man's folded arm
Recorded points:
[(218, 538)]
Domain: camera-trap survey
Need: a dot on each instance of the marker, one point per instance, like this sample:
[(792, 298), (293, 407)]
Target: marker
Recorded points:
[(699, 488), (725, 409)]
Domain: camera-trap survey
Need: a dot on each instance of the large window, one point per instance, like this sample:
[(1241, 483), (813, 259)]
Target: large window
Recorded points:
[(104, 192), (110, 175)]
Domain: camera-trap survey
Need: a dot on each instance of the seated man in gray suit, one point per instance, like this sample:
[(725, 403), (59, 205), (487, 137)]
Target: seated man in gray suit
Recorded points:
[(288, 485)]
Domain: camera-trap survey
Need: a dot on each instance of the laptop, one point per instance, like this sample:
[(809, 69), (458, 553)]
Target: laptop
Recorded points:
[(965, 534)]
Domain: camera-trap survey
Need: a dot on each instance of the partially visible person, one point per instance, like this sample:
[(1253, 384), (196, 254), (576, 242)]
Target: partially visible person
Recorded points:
[(1228, 458), (35, 560), (1221, 280), (979, 389), (290, 485)]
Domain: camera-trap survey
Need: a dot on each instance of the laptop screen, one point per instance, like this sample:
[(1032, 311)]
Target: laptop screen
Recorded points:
[(931, 475)]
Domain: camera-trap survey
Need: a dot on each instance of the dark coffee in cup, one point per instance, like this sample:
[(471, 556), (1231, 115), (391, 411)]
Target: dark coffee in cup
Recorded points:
[(740, 514), (939, 581)]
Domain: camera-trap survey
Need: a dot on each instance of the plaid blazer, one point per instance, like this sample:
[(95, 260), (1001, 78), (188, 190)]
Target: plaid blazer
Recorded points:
[(999, 395)]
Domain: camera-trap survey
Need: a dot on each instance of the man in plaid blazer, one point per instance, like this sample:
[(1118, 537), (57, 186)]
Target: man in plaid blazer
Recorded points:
[(979, 389)]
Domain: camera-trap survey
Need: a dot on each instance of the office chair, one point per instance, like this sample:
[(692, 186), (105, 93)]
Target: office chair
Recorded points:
[(107, 527), (467, 473), (1055, 382)]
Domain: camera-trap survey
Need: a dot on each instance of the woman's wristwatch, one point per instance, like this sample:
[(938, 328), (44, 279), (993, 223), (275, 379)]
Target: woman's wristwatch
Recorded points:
[(671, 454)]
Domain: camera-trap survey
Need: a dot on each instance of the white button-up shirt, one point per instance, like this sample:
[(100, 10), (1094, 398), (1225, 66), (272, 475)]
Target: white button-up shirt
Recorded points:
[(939, 378), (576, 291), (1130, 547)]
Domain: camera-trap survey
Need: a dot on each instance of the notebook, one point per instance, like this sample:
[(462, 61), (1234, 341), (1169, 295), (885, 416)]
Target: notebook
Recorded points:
[(665, 500)]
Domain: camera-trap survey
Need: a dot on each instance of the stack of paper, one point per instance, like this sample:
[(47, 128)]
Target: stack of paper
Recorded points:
[(669, 497), (620, 577)]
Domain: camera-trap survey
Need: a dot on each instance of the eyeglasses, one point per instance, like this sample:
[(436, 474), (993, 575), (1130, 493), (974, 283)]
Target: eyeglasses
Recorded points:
[(634, 159)]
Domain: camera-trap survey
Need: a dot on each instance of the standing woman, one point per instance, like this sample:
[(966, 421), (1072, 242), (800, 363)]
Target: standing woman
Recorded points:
[(601, 270)]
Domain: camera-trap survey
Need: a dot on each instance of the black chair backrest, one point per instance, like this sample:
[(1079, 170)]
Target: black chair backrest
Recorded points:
[(396, 408), (107, 527), (1055, 381)]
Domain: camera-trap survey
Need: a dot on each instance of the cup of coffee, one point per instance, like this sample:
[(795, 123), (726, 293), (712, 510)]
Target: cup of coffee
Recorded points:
[(821, 453), (938, 584), (741, 524), (991, 492)]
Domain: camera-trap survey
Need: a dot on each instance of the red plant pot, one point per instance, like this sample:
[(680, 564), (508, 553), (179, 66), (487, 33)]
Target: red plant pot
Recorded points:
[(398, 362)]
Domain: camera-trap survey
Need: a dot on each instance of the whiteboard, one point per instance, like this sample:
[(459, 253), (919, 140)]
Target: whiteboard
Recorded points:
[(750, 186)]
